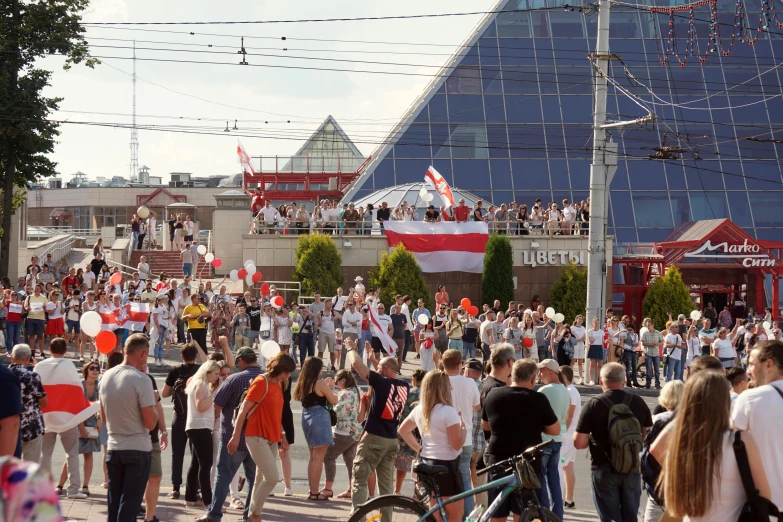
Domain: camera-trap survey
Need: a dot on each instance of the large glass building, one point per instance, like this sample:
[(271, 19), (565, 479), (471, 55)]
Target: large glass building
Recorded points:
[(509, 117)]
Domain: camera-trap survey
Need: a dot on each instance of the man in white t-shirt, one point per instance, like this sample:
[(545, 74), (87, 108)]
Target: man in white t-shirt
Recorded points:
[(568, 451), (385, 322), (271, 215), (486, 336), (352, 322), (760, 411), (673, 345), (465, 398), (569, 214)]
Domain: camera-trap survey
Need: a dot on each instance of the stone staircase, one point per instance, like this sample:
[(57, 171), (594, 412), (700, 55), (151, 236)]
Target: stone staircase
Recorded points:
[(170, 263)]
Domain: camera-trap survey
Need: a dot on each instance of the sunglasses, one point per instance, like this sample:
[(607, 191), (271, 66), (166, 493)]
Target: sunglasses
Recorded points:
[(94, 369)]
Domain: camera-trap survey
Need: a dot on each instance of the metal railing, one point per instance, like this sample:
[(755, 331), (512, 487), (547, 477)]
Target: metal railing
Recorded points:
[(59, 249), (310, 163), (283, 287)]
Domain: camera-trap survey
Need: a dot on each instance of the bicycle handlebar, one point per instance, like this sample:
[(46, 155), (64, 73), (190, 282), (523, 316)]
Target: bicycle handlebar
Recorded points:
[(528, 453)]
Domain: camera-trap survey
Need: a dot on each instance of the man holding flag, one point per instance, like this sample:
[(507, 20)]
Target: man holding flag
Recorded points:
[(65, 412)]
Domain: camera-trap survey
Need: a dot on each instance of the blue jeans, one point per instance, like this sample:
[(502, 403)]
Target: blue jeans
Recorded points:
[(631, 358), (455, 344), (681, 368), (464, 469), (135, 240), (159, 343), (468, 350), (616, 495), (128, 471), (306, 346), (227, 466), (365, 335), (672, 368), (187, 269), (13, 333), (550, 460), (543, 353), (652, 364)]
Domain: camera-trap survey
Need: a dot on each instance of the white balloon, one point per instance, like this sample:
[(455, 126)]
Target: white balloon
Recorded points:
[(209, 257), (423, 319), (233, 276), (269, 349), (423, 191), (549, 312), (91, 323), (249, 279), (427, 197), (201, 250), (695, 315), (251, 269), (247, 263), (559, 318), (143, 212)]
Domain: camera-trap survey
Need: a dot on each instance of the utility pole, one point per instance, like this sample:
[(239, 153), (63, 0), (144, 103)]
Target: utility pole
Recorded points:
[(601, 172), (134, 143)]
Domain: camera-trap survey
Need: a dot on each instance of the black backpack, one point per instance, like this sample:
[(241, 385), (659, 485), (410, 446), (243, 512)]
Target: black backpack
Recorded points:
[(179, 397), (625, 435), (651, 468)]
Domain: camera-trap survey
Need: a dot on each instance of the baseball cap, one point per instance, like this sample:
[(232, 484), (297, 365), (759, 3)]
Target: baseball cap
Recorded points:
[(163, 295), (474, 364), (245, 351), (550, 364)]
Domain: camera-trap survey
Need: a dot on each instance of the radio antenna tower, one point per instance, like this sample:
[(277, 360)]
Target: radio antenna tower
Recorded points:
[(134, 143)]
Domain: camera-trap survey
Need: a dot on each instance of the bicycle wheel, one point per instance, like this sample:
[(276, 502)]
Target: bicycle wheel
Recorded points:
[(390, 508), (536, 514)]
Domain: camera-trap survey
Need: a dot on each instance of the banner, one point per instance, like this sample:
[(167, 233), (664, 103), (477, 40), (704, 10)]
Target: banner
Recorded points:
[(437, 182), (66, 407), (244, 159), (388, 343), (442, 247), (131, 316)]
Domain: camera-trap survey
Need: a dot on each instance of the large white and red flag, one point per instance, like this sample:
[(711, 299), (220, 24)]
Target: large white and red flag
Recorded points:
[(244, 159), (66, 407), (442, 247), (437, 182), (388, 343), (131, 316)]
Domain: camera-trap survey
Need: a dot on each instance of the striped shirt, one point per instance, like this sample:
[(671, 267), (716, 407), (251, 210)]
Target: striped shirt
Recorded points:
[(228, 397)]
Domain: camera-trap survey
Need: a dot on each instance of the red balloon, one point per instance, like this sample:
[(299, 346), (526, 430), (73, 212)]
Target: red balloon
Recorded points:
[(256, 277), (473, 310), (116, 278), (527, 342), (105, 341), (265, 289), (277, 301), (241, 273), (217, 262), (465, 303)]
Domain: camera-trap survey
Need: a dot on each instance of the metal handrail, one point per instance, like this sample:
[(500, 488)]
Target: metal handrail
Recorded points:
[(130, 270), (59, 248)]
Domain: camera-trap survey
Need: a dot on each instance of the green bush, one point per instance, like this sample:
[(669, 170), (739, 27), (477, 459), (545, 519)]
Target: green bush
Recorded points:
[(497, 279), (568, 294), (318, 265), (398, 273), (667, 294)]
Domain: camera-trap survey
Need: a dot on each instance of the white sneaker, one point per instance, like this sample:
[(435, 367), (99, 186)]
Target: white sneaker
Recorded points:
[(78, 495), (288, 492), (591, 383)]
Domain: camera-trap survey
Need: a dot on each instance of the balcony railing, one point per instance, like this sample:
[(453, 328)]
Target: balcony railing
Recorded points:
[(309, 164)]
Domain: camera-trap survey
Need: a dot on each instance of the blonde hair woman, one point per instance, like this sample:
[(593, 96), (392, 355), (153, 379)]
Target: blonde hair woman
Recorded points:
[(701, 479), (442, 436), (198, 426)]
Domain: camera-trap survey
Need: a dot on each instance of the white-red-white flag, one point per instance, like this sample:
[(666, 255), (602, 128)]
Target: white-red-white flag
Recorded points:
[(388, 343), (442, 247), (131, 316), (66, 407), (437, 182), (244, 159)]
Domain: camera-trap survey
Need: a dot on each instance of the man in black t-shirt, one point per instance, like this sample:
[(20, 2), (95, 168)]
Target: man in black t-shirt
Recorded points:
[(96, 265), (378, 446), (513, 434), (616, 495), (383, 214), (175, 388), (254, 312), (432, 215)]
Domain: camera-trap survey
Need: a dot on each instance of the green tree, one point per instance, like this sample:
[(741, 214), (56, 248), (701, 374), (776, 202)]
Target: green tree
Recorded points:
[(318, 265), (667, 294), (569, 293), (497, 279), (31, 30), (398, 273)]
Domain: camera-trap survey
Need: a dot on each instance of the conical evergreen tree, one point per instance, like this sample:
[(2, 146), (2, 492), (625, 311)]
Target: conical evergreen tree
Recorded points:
[(318, 265), (667, 294), (398, 273), (497, 279)]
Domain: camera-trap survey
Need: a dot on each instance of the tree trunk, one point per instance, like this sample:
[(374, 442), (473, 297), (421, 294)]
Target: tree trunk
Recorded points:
[(10, 159)]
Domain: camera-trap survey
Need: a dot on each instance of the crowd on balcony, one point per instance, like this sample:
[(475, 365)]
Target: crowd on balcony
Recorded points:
[(568, 219)]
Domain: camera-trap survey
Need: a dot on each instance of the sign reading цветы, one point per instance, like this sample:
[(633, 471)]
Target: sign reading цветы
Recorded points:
[(553, 257)]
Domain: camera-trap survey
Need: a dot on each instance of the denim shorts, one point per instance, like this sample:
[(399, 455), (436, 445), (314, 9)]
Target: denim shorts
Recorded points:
[(73, 326), (317, 426), (35, 326)]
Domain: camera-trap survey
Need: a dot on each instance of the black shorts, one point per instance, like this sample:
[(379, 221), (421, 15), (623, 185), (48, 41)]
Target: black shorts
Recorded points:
[(377, 346), (449, 484)]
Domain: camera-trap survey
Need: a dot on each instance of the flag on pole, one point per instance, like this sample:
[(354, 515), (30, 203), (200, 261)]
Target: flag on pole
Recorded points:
[(131, 316), (388, 343), (442, 247), (244, 159), (438, 183), (66, 407)]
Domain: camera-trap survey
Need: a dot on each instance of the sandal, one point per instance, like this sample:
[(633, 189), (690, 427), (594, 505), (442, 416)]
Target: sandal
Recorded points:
[(317, 496), (59, 491), (330, 495)]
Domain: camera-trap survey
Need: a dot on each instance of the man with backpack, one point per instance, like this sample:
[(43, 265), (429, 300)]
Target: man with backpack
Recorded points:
[(228, 400), (176, 381), (613, 425)]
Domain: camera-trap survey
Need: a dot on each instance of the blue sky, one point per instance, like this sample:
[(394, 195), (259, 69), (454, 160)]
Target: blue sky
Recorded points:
[(303, 97)]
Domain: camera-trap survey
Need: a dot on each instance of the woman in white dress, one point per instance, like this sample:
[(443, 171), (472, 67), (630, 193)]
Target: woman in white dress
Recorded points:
[(579, 332), (427, 347)]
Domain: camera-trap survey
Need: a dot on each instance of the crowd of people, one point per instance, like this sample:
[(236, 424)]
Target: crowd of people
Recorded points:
[(333, 218), (181, 230)]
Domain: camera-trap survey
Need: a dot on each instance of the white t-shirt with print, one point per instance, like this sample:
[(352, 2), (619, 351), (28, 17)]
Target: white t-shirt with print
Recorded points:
[(675, 353), (464, 396)]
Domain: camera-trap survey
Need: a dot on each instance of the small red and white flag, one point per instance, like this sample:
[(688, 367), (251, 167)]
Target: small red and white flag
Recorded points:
[(442, 247), (438, 183), (388, 343), (131, 316), (244, 159), (66, 407)]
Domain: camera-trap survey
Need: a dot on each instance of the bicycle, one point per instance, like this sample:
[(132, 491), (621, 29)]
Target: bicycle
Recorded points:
[(398, 508)]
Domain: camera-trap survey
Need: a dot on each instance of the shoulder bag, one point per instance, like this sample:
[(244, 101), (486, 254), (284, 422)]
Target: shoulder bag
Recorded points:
[(756, 508), (254, 408)]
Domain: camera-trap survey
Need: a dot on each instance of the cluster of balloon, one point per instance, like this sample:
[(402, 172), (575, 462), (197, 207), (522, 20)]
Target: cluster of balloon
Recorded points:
[(556, 317), (91, 324), (425, 195), (210, 258), (249, 273), (471, 309)]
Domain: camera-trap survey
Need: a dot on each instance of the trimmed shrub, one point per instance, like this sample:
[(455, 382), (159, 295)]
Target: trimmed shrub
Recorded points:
[(398, 273), (318, 265), (667, 294), (568, 294), (497, 279)]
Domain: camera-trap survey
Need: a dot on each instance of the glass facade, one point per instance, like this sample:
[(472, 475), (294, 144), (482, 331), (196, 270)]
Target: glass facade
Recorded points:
[(512, 122)]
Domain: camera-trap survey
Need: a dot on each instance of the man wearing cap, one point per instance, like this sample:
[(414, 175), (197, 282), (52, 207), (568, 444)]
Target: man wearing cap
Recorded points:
[(560, 401), (461, 212), (228, 399), (359, 287), (197, 315)]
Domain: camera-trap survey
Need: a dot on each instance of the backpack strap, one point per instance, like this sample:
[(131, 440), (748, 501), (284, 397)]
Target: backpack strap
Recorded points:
[(627, 399), (777, 390), (741, 454), (605, 401)]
